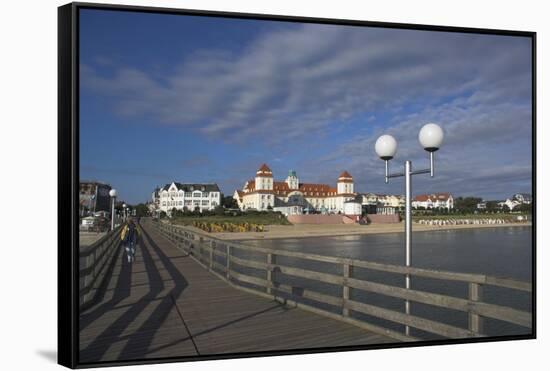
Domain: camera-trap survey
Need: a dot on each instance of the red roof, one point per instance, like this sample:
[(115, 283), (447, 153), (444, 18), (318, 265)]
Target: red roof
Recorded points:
[(433, 197), (307, 189), (421, 198), (250, 185), (345, 177), (345, 174), (265, 171)]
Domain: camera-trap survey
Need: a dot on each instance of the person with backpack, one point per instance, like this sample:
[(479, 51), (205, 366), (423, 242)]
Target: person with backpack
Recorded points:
[(129, 237)]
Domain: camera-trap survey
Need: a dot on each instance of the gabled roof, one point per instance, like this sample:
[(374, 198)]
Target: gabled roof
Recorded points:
[(345, 177), (190, 187), (433, 197), (421, 198), (345, 174), (307, 189), (265, 171)]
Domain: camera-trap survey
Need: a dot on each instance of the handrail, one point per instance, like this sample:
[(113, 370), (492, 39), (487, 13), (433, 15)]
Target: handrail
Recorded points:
[(481, 279), (94, 261), (204, 248)]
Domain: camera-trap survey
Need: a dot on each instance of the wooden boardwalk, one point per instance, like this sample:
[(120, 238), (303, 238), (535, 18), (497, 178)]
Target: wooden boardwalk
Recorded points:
[(165, 305)]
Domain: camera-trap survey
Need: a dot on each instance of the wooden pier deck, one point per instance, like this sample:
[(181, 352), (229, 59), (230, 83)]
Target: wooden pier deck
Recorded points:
[(166, 305)]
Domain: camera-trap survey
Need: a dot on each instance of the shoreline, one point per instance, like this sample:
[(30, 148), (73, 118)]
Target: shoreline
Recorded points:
[(275, 232)]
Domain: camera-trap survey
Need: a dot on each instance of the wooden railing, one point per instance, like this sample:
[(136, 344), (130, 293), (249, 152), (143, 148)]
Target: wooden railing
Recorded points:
[(94, 262), (221, 258)]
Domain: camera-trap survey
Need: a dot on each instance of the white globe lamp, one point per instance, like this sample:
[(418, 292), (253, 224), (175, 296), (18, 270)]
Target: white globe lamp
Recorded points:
[(431, 137), (385, 147)]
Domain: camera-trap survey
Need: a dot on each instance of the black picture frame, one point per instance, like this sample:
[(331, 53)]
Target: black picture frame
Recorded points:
[(68, 178)]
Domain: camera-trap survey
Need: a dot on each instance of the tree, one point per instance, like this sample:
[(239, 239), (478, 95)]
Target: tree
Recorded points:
[(467, 204), (229, 202), (219, 210), (141, 210), (524, 208), (492, 206)]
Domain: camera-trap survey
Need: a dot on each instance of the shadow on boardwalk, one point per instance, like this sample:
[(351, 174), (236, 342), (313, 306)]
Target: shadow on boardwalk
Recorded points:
[(166, 305)]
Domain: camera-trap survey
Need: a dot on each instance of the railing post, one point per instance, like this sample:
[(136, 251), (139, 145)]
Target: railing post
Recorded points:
[(211, 253), (347, 272), (201, 240), (475, 322), (227, 261), (270, 261)]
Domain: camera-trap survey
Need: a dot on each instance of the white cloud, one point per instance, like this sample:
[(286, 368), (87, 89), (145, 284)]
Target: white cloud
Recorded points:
[(291, 85)]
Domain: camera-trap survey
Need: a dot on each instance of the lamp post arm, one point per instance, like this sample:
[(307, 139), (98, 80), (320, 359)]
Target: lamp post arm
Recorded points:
[(430, 171), (396, 175), (432, 163), (423, 171)]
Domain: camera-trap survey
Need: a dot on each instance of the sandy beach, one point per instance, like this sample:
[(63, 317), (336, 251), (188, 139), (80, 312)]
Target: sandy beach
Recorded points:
[(323, 230)]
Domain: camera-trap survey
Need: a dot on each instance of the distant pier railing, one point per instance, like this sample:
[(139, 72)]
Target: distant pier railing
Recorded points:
[(94, 262), (255, 269)]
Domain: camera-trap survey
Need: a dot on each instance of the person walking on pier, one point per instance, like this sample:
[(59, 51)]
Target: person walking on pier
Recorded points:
[(129, 237)]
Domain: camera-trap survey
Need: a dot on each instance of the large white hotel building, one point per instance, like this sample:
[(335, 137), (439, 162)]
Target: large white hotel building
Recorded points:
[(263, 193), (190, 196)]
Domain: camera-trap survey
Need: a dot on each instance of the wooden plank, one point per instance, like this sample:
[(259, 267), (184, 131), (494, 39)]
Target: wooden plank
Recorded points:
[(250, 279), (251, 263), (309, 294), (410, 320), (361, 324), (312, 275), (474, 306), (105, 239)]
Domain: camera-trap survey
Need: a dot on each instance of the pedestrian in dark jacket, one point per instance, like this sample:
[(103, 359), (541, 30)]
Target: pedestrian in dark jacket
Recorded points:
[(129, 237)]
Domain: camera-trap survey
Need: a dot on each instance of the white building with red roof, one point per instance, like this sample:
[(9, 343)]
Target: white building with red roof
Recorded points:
[(434, 201), (263, 193)]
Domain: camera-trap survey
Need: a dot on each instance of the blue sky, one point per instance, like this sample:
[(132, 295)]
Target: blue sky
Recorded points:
[(199, 99)]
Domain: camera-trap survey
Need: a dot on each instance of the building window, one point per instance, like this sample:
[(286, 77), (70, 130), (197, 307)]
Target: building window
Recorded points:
[(204, 202), (205, 194), (188, 194), (197, 194), (196, 202)]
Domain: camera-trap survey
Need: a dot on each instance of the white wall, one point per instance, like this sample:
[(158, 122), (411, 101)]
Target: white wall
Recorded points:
[(29, 65)]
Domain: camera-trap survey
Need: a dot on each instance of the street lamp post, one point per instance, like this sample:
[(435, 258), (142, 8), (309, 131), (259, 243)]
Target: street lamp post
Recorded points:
[(112, 193), (430, 137), (124, 211)]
